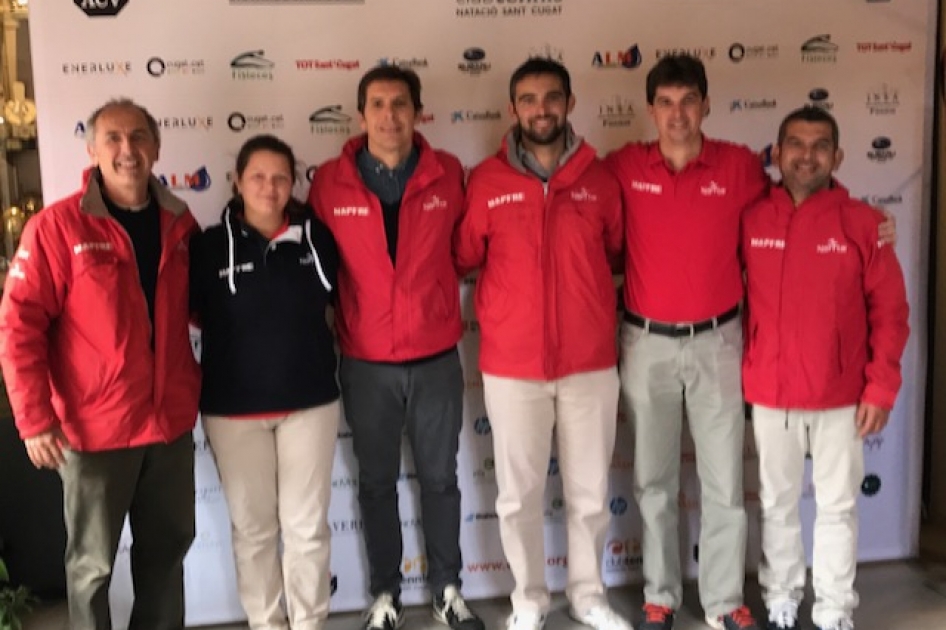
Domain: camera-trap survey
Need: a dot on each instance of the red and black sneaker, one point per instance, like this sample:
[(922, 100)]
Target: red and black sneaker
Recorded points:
[(738, 619), (656, 618)]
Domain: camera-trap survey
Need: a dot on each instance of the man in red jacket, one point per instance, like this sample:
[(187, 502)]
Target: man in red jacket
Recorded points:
[(392, 202), (100, 373), (543, 224), (827, 325)]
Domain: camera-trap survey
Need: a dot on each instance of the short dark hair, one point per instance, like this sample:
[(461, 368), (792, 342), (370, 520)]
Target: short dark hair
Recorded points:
[(259, 143), (536, 66), (121, 103), (810, 114), (677, 70), (390, 73)]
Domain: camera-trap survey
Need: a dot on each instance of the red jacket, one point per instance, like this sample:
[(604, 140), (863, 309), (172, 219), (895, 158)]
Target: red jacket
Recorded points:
[(827, 315), (394, 312), (545, 297), (75, 336)]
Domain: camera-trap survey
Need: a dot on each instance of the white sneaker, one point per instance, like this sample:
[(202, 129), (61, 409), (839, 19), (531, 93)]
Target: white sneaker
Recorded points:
[(602, 618), (525, 621), (783, 615), (842, 623)]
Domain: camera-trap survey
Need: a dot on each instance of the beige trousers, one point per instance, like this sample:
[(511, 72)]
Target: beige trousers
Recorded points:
[(277, 478), (580, 412)]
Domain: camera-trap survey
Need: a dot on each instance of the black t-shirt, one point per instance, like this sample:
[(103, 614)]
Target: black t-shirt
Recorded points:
[(144, 228)]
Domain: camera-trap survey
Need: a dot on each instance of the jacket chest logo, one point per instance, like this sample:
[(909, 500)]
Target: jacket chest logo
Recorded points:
[(713, 190), (95, 246), (502, 200), (766, 243), (832, 246), (351, 211), (583, 195), (434, 203), (243, 268), (647, 187)]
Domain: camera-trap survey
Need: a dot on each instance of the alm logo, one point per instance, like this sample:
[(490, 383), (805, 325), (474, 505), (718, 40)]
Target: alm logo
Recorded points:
[(101, 8), (198, 181)]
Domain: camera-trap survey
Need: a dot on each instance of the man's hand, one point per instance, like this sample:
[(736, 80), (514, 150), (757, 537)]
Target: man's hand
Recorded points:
[(870, 419), (887, 231), (45, 449)]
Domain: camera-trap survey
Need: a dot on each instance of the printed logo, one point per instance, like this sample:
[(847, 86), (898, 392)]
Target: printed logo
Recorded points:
[(871, 485), (481, 426), (700, 52), (502, 200), (252, 65), (434, 203), (646, 187), (832, 246), (622, 555), (819, 49), (547, 51), (618, 506), (348, 526), (344, 483), (185, 123), (330, 120), (238, 121), (351, 211), (555, 511), (819, 97), (474, 63), (198, 181), (752, 52), (327, 64), (97, 68), (408, 63), (880, 150), (333, 585), (766, 243), (158, 67), (508, 8), (101, 8), (751, 104), (472, 517), (884, 47), (713, 190), (583, 195), (486, 472), (883, 100), (628, 59), (616, 111), (414, 571), (468, 115)]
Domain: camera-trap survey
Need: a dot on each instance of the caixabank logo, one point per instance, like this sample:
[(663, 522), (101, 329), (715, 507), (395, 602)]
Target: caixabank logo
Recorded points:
[(101, 8)]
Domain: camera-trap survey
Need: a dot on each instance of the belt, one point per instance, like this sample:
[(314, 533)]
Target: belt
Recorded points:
[(687, 329)]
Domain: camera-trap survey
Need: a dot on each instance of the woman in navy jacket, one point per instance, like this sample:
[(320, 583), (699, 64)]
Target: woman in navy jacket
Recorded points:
[(261, 282)]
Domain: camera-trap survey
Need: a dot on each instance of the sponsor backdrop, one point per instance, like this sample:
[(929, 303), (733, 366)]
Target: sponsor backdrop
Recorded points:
[(216, 72)]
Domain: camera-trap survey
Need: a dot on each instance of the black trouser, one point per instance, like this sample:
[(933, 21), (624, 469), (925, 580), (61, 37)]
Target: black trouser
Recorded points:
[(426, 398)]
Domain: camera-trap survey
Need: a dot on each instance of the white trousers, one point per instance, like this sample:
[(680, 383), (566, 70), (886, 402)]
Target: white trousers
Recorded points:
[(277, 478), (580, 411), (783, 438)]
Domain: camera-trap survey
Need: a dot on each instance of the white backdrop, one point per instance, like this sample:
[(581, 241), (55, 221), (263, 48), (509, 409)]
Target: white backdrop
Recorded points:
[(215, 72)]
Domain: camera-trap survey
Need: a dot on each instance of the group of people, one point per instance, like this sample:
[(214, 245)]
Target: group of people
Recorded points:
[(95, 351)]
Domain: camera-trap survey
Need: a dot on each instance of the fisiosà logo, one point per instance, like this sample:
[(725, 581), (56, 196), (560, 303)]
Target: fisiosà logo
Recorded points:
[(101, 8)]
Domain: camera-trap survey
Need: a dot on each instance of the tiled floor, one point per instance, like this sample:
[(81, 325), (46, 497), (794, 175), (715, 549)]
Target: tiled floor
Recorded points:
[(894, 596)]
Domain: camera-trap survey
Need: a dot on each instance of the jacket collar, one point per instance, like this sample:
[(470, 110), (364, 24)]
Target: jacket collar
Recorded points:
[(92, 201)]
